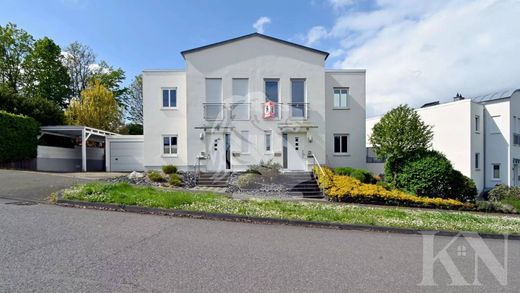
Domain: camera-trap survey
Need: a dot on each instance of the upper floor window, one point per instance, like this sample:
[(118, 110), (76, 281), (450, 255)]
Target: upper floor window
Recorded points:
[(341, 98), (477, 123), (169, 97), (496, 171), (169, 145), (271, 90), (298, 106)]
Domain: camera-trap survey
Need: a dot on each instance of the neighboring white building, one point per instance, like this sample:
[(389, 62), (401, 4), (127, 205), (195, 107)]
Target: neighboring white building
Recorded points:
[(480, 136), (212, 113)]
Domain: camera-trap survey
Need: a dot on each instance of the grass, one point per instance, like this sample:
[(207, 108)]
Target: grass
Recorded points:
[(514, 201), (123, 193)]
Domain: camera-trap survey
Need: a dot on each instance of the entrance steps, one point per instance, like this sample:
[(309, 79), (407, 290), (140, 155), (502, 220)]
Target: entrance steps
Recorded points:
[(301, 184), (213, 179)]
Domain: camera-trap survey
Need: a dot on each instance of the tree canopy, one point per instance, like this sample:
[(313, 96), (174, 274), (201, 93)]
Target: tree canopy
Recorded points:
[(96, 108)]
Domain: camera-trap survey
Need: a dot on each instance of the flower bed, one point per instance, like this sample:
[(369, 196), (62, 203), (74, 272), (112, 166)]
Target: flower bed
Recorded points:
[(345, 188)]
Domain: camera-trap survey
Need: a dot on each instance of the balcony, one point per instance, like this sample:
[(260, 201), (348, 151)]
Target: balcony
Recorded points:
[(239, 111), (213, 111), (298, 110)]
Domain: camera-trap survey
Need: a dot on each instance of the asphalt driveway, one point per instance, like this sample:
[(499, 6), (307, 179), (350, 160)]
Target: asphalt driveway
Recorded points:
[(37, 186)]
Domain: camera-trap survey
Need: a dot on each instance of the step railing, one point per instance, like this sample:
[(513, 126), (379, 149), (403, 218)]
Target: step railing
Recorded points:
[(317, 163)]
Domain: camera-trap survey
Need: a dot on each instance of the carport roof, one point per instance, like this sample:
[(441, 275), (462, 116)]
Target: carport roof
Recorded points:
[(74, 131)]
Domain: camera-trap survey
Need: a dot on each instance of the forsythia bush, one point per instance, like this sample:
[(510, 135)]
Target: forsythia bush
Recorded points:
[(346, 188)]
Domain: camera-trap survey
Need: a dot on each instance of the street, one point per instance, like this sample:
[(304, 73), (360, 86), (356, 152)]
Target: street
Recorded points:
[(49, 248)]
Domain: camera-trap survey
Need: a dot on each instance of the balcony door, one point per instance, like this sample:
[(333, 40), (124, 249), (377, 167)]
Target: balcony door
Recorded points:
[(272, 94), (240, 99), (213, 107), (298, 98)]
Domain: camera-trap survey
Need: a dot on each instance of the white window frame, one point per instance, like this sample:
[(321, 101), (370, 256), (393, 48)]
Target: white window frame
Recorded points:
[(170, 155), (270, 145), (477, 161), (169, 89), (477, 123), (245, 142), (340, 144), (493, 171), (347, 100)]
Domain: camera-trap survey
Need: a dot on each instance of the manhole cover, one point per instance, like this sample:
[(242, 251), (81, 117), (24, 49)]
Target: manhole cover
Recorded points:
[(22, 203)]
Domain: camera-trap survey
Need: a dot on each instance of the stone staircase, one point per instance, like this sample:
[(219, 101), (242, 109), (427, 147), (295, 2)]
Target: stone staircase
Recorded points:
[(302, 184), (214, 179)]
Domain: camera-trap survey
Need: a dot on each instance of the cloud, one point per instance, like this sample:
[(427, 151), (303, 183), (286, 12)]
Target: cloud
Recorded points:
[(340, 3), (259, 24), (315, 34), (421, 51)]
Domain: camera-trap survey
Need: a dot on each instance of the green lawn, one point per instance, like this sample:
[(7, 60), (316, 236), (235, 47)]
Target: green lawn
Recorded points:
[(123, 193), (515, 202)]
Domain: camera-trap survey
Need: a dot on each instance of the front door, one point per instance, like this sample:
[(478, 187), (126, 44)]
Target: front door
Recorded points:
[(294, 151), (218, 152)]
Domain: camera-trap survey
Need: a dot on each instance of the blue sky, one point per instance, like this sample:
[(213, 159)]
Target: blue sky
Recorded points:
[(414, 51)]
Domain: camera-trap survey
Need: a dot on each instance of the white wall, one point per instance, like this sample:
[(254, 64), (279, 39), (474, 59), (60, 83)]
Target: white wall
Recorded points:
[(515, 128), (497, 138), (349, 121), (159, 121)]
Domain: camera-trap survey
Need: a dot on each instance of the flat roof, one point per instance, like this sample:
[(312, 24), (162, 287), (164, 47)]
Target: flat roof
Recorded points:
[(74, 131), (251, 36)]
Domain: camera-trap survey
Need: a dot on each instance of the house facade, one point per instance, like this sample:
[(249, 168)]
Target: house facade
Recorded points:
[(479, 135), (250, 99)]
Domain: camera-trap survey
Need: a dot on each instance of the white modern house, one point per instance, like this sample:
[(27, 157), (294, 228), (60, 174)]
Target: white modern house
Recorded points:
[(479, 135), (254, 98)]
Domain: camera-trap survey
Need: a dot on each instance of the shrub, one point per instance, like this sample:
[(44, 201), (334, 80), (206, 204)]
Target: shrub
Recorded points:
[(175, 180), (155, 176), (324, 179), (462, 187), (169, 169), (501, 192), (345, 171), (428, 175), (268, 168), (346, 188), (18, 137), (248, 180), (494, 206)]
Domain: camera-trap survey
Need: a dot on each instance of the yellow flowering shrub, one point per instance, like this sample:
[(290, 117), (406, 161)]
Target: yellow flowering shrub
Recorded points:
[(325, 179)]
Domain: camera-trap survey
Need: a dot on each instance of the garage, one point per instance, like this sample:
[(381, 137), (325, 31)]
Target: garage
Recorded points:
[(125, 153)]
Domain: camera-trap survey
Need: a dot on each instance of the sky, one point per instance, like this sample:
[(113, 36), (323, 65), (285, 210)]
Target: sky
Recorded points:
[(414, 51)]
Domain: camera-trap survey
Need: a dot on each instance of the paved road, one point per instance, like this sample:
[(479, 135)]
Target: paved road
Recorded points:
[(54, 249), (37, 186)]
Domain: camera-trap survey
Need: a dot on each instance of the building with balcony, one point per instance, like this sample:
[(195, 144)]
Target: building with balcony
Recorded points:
[(250, 99), (479, 135)]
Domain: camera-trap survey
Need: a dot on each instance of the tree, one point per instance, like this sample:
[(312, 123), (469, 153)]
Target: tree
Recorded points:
[(133, 101), (46, 76), (96, 108), (79, 60), (15, 45), (111, 78), (399, 135)]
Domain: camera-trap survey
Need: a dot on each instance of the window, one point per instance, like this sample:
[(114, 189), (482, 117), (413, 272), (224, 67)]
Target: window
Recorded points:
[(477, 123), (341, 98), (169, 98), (271, 90), (298, 98), (244, 147), (268, 142), (477, 161), (240, 98), (170, 145), (496, 171), (213, 109), (340, 143)]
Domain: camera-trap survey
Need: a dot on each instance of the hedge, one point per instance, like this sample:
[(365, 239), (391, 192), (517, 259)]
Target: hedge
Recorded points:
[(18, 137)]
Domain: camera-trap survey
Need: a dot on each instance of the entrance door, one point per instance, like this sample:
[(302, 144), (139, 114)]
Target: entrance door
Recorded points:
[(219, 150), (294, 151)]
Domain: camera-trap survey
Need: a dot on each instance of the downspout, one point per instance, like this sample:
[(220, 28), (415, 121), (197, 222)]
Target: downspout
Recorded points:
[(484, 163)]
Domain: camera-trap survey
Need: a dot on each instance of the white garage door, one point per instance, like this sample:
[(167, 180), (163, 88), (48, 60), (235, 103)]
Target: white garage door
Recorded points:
[(126, 156)]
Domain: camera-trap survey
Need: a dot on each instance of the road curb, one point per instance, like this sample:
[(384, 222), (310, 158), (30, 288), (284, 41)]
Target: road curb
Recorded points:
[(271, 221)]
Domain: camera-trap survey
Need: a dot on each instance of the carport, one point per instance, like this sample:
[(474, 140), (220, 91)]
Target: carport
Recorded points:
[(78, 132)]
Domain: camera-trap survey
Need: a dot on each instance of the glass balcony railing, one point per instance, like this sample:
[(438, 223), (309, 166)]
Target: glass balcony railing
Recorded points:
[(239, 111), (213, 111), (298, 110), (242, 111)]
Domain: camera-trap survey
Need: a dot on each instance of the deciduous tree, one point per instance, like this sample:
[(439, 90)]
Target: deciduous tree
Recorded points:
[(96, 108), (15, 45), (134, 101)]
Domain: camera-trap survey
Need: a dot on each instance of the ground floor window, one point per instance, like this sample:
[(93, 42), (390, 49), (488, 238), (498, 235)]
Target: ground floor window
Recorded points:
[(244, 141), (268, 142), (496, 171), (170, 144), (341, 143), (477, 161)]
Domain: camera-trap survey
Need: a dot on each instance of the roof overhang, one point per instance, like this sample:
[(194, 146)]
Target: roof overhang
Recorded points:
[(75, 131), (296, 126)]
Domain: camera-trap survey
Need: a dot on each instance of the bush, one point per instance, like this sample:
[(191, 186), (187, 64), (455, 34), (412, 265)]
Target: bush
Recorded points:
[(175, 180), (324, 179), (248, 180), (462, 187), (268, 168), (501, 192), (18, 137), (155, 176), (169, 169), (344, 171), (494, 206), (346, 188)]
